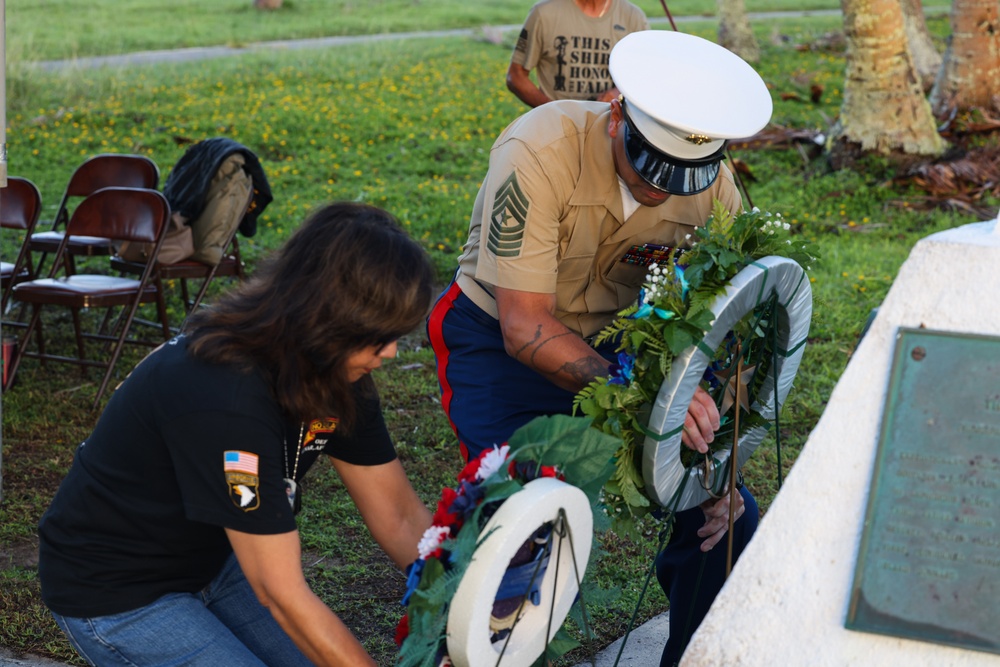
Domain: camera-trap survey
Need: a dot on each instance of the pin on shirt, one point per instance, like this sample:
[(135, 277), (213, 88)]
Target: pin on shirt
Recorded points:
[(292, 491), (647, 254)]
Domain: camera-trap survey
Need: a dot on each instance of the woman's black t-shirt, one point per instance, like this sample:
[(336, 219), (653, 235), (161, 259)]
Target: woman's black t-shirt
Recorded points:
[(183, 450)]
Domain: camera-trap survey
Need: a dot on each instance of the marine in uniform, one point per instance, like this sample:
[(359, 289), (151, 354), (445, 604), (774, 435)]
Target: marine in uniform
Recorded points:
[(578, 199)]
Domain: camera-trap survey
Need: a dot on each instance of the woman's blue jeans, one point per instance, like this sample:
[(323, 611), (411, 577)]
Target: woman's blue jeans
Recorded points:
[(223, 624)]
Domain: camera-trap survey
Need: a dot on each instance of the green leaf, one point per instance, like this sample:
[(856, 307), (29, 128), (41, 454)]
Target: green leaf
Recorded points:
[(420, 601), (502, 491), (722, 218), (583, 454), (561, 644), (633, 496), (678, 340), (728, 258), (694, 274), (702, 319)]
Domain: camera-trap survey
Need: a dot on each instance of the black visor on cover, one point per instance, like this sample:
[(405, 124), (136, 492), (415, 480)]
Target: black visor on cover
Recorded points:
[(666, 173)]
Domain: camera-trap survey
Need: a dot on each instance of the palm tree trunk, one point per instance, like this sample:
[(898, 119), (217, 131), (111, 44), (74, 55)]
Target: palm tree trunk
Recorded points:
[(926, 58), (884, 108), (734, 30), (970, 75)]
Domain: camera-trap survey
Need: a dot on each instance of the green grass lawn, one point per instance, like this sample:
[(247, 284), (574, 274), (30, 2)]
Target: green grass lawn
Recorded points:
[(407, 126), (101, 27)]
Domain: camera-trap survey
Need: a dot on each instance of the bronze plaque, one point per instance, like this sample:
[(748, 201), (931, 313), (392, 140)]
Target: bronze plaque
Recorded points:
[(929, 563)]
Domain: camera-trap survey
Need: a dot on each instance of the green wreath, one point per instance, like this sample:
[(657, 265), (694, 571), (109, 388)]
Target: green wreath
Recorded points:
[(660, 337)]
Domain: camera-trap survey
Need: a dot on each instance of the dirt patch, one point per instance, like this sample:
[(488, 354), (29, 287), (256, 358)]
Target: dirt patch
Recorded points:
[(23, 553)]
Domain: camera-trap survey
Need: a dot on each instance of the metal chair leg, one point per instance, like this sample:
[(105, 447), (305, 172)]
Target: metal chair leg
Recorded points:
[(22, 346), (78, 332)]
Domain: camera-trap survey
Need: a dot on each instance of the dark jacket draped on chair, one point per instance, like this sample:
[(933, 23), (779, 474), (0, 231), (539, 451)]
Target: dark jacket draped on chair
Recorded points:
[(188, 182)]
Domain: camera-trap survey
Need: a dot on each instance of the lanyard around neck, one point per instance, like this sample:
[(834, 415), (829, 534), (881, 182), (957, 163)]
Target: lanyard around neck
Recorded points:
[(298, 453)]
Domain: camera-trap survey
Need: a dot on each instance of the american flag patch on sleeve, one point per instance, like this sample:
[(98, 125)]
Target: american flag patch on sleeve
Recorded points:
[(238, 461)]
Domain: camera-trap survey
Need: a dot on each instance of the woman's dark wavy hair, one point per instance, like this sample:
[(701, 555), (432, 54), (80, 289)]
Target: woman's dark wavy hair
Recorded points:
[(350, 277)]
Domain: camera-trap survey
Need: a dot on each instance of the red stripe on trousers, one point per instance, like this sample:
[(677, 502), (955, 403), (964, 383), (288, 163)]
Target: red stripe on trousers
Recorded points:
[(435, 331)]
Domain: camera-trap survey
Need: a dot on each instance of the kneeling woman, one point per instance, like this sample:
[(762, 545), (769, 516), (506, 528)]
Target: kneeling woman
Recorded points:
[(172, 540)]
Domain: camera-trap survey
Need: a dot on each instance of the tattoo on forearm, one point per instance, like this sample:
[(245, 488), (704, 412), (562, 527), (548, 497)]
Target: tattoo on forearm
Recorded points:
[(545, 342), (584, 370), (534, 339), (581, 371)]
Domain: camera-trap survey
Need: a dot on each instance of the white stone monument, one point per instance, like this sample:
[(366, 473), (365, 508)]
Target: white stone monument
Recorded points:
[(787, 599)]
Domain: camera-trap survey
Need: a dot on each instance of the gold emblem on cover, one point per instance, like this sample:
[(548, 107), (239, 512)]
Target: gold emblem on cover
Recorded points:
[(697, 139)]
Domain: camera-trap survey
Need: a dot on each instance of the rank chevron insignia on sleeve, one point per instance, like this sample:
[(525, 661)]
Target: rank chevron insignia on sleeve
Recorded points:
[(510, 210)]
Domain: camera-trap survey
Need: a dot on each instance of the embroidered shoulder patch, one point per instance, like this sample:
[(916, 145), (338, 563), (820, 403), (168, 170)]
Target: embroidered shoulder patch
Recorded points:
[(510, 211), (522, 41), (319, 433), (240, 461), (241, 475), (243, 490)]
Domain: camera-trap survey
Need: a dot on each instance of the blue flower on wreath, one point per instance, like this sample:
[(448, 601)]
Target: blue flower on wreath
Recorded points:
[(642, 298), (621, 371), (645, 310), (710, 375), (468, 499), (413, 571), (527, 471), (679, 272)]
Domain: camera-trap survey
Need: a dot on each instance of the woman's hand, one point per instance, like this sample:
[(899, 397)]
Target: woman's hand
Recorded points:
[(394, 514), (272, 565)]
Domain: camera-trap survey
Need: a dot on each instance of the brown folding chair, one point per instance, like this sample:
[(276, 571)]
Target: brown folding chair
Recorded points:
[(20, 205), (100, 171), (119, 214), (231, 265)]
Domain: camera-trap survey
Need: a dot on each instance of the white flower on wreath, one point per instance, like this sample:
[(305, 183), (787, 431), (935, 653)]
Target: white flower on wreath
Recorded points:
[(432, 539), (492, 462)]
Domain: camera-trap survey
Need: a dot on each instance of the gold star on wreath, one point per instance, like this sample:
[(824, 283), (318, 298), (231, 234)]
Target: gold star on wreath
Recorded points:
[(734, 393)]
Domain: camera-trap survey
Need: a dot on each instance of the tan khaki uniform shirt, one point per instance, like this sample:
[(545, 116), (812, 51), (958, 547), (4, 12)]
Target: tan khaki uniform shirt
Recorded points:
[(569, 50), (549, 218)]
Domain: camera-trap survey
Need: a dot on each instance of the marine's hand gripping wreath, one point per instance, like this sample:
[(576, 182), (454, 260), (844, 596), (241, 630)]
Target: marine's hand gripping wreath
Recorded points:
[(668, 481)]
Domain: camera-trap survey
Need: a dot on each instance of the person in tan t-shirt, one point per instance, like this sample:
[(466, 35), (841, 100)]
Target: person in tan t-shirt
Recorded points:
[(578, 200), (568, 43)]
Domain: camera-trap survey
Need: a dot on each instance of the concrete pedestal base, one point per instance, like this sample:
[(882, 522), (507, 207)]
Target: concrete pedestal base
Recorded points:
[(786, 600)]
